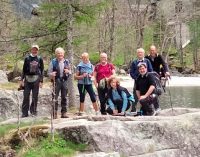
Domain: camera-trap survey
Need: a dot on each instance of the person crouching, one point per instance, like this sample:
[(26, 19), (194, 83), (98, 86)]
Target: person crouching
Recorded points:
[(119, 99), (145, 87)]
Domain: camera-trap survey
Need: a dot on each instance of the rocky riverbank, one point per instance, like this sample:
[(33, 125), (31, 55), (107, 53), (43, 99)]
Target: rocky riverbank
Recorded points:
[(171, 134)]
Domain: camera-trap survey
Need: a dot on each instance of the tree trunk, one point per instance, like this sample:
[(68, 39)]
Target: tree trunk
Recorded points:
[(137, 25), (112, 29), (180, 46), (139, 19), (70, 54)]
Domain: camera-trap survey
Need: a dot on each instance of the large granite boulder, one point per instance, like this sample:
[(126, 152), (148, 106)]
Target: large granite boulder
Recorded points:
[(174, 135), (158, 136), (11, 101)]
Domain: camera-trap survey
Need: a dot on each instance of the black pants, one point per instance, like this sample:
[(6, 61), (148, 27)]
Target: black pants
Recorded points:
[(28, 87), (61, 86), (148, 104), (82, 91), (102, 93), (118, 105)]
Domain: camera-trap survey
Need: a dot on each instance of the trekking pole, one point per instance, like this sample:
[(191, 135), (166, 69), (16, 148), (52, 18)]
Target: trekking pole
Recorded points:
[(170, 97), (53, 108)]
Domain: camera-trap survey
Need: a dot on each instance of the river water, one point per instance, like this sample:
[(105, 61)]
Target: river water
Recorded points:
[(181, 96)]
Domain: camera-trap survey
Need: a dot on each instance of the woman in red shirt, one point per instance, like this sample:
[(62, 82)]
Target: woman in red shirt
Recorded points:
[(102, 72)]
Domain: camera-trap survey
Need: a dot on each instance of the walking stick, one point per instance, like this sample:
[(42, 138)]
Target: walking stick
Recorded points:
[(169, 91), (53, 98), (53, 108)]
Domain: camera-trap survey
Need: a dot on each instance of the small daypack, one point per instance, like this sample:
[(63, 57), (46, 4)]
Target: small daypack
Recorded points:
[(159, 88), (34, 66)]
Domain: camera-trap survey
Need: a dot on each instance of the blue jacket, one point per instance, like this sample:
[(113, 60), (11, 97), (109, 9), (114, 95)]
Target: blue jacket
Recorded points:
[(85, 68), (134, 69), (120, 93)]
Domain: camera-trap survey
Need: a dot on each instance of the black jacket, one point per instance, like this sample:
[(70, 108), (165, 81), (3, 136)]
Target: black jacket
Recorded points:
[(157, 62), (26, 67)]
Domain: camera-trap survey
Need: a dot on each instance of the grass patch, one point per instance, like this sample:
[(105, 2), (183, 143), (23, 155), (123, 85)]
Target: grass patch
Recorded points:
[(15, 86), (6, 128), (59, 148), (9, 86)]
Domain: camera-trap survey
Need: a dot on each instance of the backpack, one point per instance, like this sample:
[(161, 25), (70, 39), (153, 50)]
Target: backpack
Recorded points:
[(159, 88), (34, 66)]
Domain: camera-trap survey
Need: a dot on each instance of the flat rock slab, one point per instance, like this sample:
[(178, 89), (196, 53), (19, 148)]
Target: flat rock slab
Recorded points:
[(171, 134), (158, 136)]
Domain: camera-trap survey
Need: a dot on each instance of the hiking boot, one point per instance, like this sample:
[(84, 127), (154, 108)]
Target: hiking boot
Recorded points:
[(103, 113), (24, 115), (33, 113), (64, 115), (81, 113), (55, 115), (130, 113)]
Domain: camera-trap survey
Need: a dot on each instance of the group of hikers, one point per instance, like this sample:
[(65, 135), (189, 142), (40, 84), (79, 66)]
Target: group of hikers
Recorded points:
[(114, 99)]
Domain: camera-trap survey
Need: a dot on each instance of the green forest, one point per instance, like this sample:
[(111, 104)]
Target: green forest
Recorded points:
[(117, 27)]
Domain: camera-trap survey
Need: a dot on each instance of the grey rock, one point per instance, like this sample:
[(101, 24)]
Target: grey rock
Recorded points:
[(159, 136), (25, 8), (11, 101), (3, 77), (99, 154)]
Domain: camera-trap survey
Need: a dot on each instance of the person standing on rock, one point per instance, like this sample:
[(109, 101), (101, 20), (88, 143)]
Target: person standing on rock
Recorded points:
[(84, 76), (59, 71), (119, 99), (102, 72), (135, 73), (157, 62), (145, 90), (31, 80)]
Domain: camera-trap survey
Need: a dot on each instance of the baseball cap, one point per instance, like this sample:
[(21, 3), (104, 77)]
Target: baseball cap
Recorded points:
[(35, 46)]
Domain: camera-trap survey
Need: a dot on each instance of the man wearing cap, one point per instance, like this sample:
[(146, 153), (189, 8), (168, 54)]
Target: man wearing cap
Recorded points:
[(145, 86), (135, 73), (31, 80)]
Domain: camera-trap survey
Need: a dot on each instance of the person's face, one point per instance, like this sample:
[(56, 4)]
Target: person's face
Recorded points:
[(34, 51), (113, 83), (153, 51), (142, 70), (85, 59), (60, 55), (103, 59), (140, 54)]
